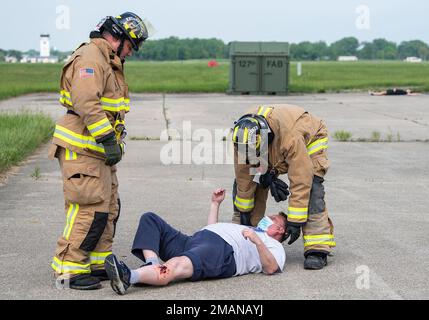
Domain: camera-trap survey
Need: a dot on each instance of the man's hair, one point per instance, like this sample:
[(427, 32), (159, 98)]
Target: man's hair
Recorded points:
[(284, 215), (106, 33)]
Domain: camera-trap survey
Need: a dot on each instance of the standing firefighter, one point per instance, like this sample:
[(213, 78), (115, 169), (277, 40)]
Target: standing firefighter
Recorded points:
[(273, 140), (88, 142)]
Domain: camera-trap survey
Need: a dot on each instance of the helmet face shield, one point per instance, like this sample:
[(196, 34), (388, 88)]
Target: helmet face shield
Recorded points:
[(251, 144), (150, 29)]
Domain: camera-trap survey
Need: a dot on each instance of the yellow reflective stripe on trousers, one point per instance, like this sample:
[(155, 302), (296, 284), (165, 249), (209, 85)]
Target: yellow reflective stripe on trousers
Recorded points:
[(115, 105), (65, 98), (98, 257), (244, 204), (300, 214), (69, 267), (317, 145), (325, 239), (77, 140), (71, 217), (263, 111), (109, 104), (100, 127), (70, 155)]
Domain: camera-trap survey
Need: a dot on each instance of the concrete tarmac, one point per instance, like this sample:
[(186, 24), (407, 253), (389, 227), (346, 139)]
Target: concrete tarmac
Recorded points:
[(376, 192)]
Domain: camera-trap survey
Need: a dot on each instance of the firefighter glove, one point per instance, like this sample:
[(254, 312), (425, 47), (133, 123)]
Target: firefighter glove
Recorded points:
[(279, 189), (266, 179), (293, 232), (112, 150)]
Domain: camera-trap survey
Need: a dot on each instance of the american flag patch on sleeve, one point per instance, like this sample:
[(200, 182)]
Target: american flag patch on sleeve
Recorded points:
[(86, 72)]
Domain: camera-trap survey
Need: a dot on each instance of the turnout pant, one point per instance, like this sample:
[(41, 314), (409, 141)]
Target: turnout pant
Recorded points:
[(92, 209), (318, 232)]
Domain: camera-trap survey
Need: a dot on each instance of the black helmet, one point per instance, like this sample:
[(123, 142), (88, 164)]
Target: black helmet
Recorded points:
[(127, 26), (251, 131)]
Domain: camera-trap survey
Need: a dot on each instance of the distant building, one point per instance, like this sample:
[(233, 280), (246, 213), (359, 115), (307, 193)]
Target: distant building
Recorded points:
[(28, 59), (413, 59), (45, 49), (347, 58), (10, 59), (45, 53)]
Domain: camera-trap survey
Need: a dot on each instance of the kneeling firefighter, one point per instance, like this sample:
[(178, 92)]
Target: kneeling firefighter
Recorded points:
[(88, 142), (274, 140)]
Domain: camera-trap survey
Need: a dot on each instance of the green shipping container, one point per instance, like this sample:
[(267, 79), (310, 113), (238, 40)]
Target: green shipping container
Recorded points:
[(259, 68)]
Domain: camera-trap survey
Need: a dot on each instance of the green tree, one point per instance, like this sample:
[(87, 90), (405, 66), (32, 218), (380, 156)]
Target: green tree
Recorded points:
[(309, 51), (344, 47), (384, 49), (414, 48), (15, 53), (367, 52)]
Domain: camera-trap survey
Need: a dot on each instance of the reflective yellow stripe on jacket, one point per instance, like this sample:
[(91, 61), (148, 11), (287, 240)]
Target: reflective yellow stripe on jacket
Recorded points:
[(108, 104), (100, 127), (326, 239), (115, 105), (263, 111), (69, 267), (65, 98), (70, 155), (77, 140), (300, 214), (317, 146)]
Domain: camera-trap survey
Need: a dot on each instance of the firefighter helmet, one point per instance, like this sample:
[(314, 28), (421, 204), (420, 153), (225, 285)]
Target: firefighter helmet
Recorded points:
[(252, 131), (127, 26)]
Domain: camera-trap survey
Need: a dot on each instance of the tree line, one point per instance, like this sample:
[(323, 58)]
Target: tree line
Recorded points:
[(174, 48), (378, 49)]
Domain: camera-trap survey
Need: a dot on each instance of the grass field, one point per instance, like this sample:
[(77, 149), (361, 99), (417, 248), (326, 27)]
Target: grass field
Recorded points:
[(341, 76), (195, 76), (20, 135)]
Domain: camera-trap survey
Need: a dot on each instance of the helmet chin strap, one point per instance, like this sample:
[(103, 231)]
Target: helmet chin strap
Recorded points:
[(120, 48)]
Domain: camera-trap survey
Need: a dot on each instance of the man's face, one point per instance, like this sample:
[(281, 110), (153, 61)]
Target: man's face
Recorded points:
[(127, 51), (278, 227)]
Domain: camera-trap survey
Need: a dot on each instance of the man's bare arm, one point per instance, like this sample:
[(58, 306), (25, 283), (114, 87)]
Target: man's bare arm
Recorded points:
[(269, 263), (217, 197)]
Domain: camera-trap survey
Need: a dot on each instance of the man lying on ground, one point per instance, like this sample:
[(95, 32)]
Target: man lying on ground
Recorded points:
[(393, 92), (219, 250)]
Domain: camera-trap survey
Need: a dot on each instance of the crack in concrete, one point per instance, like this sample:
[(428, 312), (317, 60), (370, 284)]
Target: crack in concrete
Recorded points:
[(164, 113), (396, 118)]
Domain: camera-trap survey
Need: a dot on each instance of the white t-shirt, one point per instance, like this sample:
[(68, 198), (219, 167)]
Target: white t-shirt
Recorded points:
[(245, 252)]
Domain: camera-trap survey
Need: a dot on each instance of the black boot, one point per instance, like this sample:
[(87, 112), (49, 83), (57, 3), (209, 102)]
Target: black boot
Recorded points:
[(100, 274), (81, 282), (315, 261)]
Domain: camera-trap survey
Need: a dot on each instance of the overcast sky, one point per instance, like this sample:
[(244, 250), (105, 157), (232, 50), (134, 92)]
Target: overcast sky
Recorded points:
[(69, 21)]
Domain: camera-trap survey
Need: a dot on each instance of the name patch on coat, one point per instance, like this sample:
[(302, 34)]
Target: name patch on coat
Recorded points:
[(86, 73)]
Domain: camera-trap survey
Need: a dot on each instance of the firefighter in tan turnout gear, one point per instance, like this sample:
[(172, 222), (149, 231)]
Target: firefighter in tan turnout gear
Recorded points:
[(279, 139), (88, 142)]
